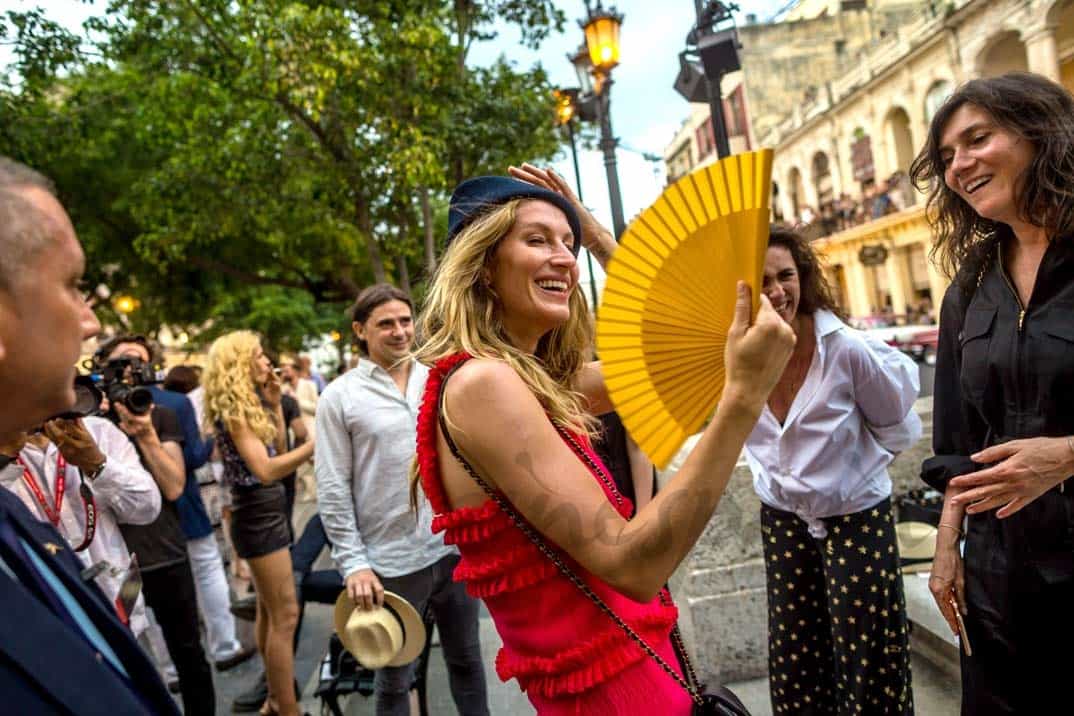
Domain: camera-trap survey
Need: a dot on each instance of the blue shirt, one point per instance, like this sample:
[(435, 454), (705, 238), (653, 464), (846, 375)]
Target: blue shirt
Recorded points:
[(193, 517)]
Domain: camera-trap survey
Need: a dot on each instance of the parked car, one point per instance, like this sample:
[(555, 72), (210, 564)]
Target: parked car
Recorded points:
[(922, 345), (917, 341)]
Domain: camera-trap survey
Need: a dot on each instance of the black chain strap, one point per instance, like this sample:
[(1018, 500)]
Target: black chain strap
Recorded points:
[(676, 635), (596, 468), (566, 571)]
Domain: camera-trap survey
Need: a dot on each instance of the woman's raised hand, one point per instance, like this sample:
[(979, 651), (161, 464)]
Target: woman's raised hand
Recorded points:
[(757, 352), (595, 238), (272, 390)]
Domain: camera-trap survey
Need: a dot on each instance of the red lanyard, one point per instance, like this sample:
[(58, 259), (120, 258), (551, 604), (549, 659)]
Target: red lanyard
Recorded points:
[(53, 516)]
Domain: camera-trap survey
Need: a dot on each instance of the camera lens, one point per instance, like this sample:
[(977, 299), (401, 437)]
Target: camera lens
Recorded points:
[(139, 400)]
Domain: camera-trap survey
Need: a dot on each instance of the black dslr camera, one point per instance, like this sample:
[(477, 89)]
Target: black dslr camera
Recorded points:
[(123, 382), (87, 400)]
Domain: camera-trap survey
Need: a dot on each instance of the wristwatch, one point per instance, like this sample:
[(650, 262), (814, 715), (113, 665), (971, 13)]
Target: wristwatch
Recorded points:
[(93, 473)]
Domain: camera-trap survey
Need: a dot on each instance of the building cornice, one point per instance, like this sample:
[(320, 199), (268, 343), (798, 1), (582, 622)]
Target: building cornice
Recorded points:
[(936, 28)]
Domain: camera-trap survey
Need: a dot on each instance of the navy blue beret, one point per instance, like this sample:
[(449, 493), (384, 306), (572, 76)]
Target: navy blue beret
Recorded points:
[(475, 196)]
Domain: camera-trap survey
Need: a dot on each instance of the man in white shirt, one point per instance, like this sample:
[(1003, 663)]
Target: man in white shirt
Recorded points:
[(95, 452), (366, 433), (302, 389)]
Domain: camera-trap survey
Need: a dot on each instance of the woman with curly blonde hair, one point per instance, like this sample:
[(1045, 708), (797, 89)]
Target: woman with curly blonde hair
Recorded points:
[(242, 407), (505, 459)]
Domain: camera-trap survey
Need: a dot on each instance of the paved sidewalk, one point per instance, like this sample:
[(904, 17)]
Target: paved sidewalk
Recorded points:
[(935, 692)]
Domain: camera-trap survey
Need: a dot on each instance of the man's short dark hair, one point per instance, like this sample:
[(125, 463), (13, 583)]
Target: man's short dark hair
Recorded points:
[(22, 232), (100, 356), (369, 299)]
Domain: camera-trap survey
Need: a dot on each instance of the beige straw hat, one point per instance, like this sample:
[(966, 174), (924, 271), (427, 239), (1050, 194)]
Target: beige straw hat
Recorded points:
[(917, 545), (391, 635)]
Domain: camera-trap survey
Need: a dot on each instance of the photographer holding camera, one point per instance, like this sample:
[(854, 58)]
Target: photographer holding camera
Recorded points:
[(126, 364), (83, 476), (49, 616)]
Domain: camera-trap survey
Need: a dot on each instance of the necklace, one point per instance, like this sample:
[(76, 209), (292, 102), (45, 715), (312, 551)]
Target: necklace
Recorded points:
[(801, 374), (783, 396)]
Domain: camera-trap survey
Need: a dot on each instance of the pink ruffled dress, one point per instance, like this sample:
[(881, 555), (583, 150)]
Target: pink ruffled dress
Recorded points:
[(568, 657)]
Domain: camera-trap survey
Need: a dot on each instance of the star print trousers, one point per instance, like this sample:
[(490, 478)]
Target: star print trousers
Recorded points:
[(837, 634)]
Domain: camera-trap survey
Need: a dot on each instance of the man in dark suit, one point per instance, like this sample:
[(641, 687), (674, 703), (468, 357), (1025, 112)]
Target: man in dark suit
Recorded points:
[(62, 648)]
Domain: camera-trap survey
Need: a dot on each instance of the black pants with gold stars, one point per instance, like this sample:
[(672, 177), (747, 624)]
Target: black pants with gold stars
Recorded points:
[(837, 635)]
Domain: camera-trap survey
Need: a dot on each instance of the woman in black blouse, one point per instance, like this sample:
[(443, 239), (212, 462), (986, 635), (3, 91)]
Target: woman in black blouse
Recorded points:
[(999, 161)]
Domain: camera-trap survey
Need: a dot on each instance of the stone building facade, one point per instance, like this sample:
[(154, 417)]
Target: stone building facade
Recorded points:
[(870, 122), (789, 62)]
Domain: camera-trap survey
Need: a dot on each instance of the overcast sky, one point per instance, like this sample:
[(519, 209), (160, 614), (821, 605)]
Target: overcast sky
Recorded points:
[(646, 110)]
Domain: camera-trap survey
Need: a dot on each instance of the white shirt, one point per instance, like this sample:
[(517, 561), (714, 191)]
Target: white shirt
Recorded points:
[(197, 399), (852, 414), (124, 492), (365, 443)]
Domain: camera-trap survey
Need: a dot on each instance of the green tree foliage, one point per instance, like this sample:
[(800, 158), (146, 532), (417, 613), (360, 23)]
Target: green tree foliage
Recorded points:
[(254, 163)]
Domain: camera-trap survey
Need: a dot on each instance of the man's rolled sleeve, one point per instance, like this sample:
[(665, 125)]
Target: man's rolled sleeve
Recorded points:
[(124, 486)]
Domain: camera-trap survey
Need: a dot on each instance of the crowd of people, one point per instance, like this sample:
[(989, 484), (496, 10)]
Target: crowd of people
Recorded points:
[(843, 212), (486, 464)]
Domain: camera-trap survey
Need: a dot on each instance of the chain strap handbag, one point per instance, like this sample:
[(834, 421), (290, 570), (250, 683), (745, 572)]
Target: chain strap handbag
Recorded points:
[(721, 702)]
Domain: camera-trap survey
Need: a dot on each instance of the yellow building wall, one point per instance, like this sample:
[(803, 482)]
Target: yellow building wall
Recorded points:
[(863, 289)]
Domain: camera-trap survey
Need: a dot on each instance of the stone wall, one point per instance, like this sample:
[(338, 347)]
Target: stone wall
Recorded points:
[(782, 60), (720, 587)]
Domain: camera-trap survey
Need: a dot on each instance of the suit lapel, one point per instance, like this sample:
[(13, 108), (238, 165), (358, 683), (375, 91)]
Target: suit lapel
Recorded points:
[(51, 548), (61, 663)]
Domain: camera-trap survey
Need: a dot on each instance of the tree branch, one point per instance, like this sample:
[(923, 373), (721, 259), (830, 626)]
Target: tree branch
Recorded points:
[(245, 276)]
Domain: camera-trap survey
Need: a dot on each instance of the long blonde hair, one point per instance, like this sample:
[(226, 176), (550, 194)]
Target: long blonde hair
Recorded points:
[(463, 313), (230, 395)]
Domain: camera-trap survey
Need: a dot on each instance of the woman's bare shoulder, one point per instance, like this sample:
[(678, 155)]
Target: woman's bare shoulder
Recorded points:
[(484, 387)]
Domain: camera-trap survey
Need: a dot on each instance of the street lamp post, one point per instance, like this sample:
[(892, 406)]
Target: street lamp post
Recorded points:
[(712, 52), (566, 110), (594, 64)]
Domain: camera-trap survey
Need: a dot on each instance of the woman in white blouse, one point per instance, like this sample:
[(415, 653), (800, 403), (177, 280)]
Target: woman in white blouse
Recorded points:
[(819, 457)]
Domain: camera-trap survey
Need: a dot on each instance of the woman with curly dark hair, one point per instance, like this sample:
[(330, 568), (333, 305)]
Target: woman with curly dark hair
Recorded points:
[(999, 161), (837, 636)]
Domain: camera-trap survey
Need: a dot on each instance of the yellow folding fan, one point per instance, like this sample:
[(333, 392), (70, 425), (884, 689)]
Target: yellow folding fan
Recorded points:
[(670, 296)]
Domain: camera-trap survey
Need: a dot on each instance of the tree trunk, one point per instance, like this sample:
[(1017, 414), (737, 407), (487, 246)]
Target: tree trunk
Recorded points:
[(365, 225), (430, 236), (404, 274)]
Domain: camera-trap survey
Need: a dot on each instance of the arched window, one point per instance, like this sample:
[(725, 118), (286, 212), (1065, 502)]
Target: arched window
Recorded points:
[(822, 178), (937, 94)]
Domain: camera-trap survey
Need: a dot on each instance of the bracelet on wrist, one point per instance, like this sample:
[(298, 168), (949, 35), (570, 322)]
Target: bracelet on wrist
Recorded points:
[(951, 527)]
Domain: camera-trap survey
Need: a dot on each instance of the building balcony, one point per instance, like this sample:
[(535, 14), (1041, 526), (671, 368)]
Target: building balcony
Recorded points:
[(902, 287)]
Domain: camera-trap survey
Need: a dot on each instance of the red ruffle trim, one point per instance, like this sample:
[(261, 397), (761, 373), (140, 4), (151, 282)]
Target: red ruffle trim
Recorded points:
[(520, 577), (589, 663), (428, 467), (467, 525)]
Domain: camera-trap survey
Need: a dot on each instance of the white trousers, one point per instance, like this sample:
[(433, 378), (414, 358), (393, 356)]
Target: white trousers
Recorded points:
[(214, 598)]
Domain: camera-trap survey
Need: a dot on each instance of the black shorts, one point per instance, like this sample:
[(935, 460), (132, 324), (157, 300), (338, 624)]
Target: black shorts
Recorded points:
[(259, 520)]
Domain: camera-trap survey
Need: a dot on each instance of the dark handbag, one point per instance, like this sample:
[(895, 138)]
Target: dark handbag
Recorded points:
[(721, 702)]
